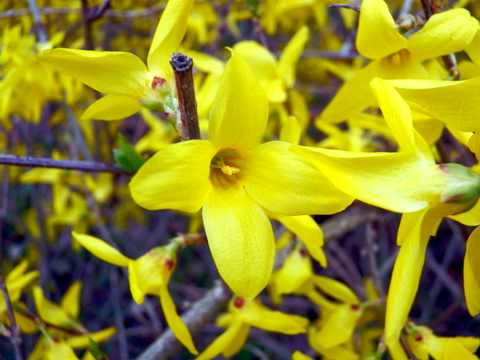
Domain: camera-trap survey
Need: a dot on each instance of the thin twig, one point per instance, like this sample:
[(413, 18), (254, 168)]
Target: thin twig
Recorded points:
[(87, 26), (202, 312), (65, 11), (117, 310), (90, 166), (39, 27), (430, 8), (182, 66), (15, 337)]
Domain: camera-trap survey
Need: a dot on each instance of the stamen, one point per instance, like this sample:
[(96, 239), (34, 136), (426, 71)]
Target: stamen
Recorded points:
[(230, 170)]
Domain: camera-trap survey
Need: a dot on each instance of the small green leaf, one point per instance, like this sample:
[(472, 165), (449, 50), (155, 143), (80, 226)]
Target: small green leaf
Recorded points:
[(97, 353), (126, 156)]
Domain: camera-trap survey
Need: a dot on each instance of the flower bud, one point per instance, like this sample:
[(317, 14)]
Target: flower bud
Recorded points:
[(463, 185)]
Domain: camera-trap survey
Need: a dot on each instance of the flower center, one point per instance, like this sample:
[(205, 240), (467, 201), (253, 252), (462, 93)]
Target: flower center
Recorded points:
[(225, 168)]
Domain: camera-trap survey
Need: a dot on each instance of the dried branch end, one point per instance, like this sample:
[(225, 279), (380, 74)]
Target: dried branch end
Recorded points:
[(187, 105)]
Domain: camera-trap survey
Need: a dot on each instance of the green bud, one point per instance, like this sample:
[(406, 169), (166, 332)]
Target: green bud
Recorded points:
[(463, 185)]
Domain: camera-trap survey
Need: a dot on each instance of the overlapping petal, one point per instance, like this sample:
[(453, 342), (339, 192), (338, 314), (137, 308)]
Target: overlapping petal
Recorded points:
[(291, 54), (377, 36), (445, 33), (112, 107), (239, 112), (174, 321), (456, 103), (398, 182), (110, 72), (241, 240), (177, 177), (287, 184), (223, 342), (101, 249), (264, 318), (471, 272), (168, 36), (308, 231), (399, 119)]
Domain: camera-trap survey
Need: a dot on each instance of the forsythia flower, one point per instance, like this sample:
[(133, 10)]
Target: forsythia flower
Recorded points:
[(243, 314), (276, 77), (66, 332), (235, 180), (424, 344), (149, 274), (129, 83), (409, 182), (395, 56)]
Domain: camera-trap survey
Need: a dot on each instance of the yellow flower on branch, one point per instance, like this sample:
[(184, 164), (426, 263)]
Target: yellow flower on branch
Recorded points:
[(149, 274), (123, 76), (396, 56), (235, 180), (241, 316), (408, 182)]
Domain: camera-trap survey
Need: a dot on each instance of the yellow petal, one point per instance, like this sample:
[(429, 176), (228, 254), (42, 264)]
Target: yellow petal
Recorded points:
[(241, 240), (308, 231), (261, 60), (290, 55), (404, 283), (399, 118), (353, 97), (240, 110), (338, 327), (71, 299), (109, 72), (101, 249), (175, 322), (394, 181), (297, 355), (453, 350), (177, 177), (112, 107), (377, 36), (261, 317), (271, 168), (224, 341), (428, 97), (169, 35), (473, 49), (239, 343), (82, 341), (336, 289), (471, 272), (445, 33)]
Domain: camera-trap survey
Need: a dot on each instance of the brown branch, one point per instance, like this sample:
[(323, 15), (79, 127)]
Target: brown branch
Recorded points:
[(64, 11), (430, 8), (202, 312), (90, 166), (15, 337), (182, 66)]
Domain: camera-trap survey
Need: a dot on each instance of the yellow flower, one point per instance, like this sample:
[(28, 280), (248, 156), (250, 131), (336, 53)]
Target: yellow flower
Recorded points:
[(129, 83), (235, 180), (275, 77), (66, 332), (149, 274), (423, 343), (15, 281), (408, 182), (241, 316), (395, 56)]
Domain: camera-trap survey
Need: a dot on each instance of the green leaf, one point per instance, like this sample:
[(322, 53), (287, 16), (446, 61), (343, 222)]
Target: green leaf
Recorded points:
[(126, 156), (97, 353)]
